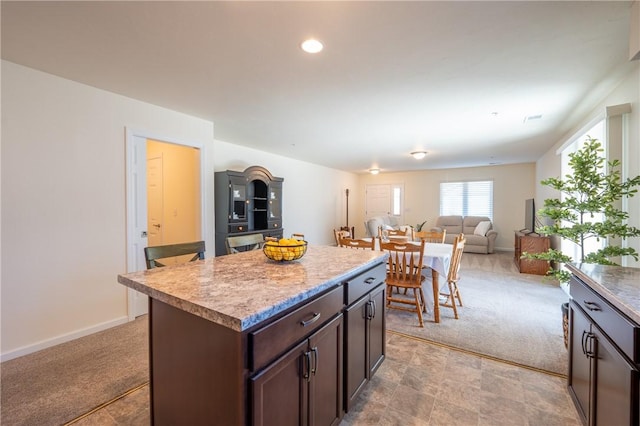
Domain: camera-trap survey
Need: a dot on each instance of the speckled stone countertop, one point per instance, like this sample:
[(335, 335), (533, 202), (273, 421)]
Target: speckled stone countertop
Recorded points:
[(619, 285), (241, 290)]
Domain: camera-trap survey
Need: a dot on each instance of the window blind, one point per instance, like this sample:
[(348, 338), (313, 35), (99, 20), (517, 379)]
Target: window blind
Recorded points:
[(473, 198)]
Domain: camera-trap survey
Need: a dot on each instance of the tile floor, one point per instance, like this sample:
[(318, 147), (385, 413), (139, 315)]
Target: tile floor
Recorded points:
[(423, 384)]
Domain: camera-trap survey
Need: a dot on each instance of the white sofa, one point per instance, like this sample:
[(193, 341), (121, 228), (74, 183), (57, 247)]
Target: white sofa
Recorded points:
[(477, 242)]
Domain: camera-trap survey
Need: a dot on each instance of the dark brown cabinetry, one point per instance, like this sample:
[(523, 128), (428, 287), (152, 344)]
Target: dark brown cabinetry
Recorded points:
[(603, 356), (365, 331), (247, 202), (303, 387), (531, 243)]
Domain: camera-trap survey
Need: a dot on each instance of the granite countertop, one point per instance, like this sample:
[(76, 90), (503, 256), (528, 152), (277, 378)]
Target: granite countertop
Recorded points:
[(619, 285), (241, 290)]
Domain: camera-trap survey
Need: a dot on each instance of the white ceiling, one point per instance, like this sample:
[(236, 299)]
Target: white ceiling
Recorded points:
[(394, 77)]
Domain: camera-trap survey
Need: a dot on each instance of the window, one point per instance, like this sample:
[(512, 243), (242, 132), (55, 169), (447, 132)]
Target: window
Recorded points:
[(467, 198), (591, 245)]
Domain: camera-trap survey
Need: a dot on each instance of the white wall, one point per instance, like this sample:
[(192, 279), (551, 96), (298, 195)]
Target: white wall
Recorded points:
[(63, 204), (549, 164), (512, 185), (313, 200)]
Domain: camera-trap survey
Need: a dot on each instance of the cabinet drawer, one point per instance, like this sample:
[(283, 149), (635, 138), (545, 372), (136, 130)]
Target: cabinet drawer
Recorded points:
[(269, 342), (364, 283), (274, 225), (234, 229), (615, 324)]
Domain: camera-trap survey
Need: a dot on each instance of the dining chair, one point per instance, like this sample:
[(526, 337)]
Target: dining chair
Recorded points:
[(153, 253), (242, 243), (448, 298), (404, 270), (355, 243), (341, 233), (386, 233), (431, 236)]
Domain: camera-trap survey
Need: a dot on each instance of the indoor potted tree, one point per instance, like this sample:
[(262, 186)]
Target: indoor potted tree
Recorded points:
[(588, 209)]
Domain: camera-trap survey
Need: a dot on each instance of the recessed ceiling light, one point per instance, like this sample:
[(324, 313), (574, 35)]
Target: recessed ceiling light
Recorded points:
[(311, 46), (374, 171), (532, 117), (419, 155)]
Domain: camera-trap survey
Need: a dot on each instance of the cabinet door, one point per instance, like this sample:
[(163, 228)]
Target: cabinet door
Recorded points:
[(325, 385), (275, 201), (238, 200), (616, 383), (278, 394), (357, 367), (376, 333), (579, 363)]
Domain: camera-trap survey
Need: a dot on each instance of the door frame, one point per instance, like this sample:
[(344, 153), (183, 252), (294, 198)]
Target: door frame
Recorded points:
[(136, 199)]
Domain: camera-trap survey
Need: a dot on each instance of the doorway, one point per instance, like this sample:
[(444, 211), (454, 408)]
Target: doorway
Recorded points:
[(384, 200), (164, 200)]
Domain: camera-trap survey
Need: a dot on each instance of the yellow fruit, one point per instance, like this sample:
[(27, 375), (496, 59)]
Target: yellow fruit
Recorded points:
[(288, 255)]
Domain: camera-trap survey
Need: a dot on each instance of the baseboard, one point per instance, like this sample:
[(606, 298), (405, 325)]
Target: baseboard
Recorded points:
[(504, 249), (44, 344)]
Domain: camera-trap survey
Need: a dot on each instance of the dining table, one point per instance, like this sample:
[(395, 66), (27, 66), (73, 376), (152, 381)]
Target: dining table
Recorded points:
[(437, 257)]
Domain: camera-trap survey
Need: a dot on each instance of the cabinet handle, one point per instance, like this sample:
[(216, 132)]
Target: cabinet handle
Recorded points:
[(314, 318), (591, 338), (592, 306), (585, 334), (373, 306), (370, 280), (307, 375), (314, 370)]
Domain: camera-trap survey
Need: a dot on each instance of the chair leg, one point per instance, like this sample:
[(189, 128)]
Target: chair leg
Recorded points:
[(424, 301), (418, 307), (458, 294), (453, 299)]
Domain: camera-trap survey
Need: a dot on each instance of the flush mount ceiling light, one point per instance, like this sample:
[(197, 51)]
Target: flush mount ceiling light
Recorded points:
[(374, 171), (419, 155), (311, 46)]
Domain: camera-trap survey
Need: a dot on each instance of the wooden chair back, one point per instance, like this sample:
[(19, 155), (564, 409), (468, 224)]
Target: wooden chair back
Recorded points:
[(153, 253), (242, 243), (341, 233), (431, 236), (404, 270), (394, 232), (452, 295), (357, 243)]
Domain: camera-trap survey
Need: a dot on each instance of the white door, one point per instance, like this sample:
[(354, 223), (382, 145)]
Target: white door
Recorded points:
[(155, 201), (385, 200), (137, 218)]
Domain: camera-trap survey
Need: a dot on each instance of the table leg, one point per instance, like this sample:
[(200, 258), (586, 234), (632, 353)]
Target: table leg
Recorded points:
[(436, 294)]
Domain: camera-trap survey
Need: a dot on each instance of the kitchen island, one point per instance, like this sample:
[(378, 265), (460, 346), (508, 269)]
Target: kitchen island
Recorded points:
[(241, 339)]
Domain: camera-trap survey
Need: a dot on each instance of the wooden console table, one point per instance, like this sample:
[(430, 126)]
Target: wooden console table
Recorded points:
[(531, 243)]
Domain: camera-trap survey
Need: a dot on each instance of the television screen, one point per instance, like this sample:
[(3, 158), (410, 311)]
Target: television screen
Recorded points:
[(529, 216)]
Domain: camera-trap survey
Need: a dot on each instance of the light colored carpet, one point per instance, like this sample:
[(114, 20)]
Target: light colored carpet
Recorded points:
[(507, 315), (58, 384)]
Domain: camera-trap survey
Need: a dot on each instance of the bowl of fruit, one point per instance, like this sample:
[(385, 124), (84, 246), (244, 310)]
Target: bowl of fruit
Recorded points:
[(284, 249)]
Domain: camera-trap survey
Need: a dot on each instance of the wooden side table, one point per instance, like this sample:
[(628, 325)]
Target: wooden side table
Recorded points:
[(531, 243)]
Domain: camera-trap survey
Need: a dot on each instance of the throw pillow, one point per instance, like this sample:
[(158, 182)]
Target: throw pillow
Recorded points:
[(482, 228), (387, 228)]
